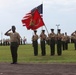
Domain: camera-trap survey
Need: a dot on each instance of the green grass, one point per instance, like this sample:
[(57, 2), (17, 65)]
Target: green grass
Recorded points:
[(25, 55)]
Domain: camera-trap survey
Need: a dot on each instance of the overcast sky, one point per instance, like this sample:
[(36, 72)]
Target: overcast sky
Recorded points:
[(61, 12)]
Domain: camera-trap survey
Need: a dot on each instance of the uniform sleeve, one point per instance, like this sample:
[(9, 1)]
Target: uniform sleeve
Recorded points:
[(8, 34)]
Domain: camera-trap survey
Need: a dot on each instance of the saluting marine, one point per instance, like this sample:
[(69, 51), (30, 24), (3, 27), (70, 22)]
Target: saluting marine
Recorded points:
[(42, 42), (35, 43), (14, 43), (52, 41)]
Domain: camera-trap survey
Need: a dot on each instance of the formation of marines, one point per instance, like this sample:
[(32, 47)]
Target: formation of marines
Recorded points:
[(60, 39)]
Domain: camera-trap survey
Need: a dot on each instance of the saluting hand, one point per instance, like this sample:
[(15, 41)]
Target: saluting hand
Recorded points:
[(9, 30)]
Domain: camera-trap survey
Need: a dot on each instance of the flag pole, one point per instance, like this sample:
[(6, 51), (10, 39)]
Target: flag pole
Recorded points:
[(42, 15), (44, 25), (46, 29)]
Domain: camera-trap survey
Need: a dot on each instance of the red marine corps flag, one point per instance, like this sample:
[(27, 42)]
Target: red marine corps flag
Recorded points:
[(33, 20)]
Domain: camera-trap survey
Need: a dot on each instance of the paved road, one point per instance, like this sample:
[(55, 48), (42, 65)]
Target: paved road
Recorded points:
[(37, 69)]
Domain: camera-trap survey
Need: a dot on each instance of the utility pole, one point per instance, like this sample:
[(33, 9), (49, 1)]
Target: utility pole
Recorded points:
[(57, 27)]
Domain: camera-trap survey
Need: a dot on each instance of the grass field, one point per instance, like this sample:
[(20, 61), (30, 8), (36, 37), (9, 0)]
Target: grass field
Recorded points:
[(25, 55)]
